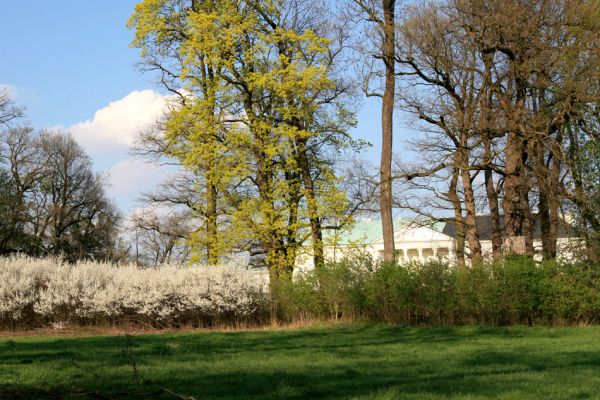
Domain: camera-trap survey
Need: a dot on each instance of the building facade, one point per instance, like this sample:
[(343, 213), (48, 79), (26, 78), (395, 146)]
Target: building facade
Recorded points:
[(421, 242)]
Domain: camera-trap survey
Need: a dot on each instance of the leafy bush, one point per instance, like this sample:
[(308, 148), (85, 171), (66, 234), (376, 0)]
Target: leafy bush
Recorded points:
[(516, 290), (391, 294)]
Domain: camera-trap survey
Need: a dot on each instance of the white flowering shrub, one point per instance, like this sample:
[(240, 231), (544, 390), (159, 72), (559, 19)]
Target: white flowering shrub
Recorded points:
[(46, 292)]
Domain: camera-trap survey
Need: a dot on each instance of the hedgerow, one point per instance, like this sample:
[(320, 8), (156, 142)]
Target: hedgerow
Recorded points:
[(48, 292), (515, 290), (39, 292)]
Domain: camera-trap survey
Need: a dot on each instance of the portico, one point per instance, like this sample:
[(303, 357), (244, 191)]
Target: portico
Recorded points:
[(417, 242), (421, 252), (414, 242)]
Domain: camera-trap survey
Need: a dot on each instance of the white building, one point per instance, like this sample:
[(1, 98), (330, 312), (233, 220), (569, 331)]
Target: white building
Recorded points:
[(420, 241)]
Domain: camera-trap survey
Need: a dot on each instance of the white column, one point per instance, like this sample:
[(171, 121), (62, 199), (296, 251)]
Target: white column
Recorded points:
[(435, 250), (451, 254), (420, 249)]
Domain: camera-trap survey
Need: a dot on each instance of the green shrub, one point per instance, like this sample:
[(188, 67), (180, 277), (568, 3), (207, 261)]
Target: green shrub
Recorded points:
[(297, 300), (515, 290), (390, 294)]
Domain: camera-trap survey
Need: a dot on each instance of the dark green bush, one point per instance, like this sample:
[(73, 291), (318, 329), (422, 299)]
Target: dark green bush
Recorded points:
[(515, 290), (390, 294)]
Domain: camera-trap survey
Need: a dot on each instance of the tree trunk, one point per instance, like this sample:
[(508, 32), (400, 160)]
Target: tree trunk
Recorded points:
[(212, 251), (212, 243), (553, 206), (486, 123), (517, 214), (471, 217), (459, 247), (544, 220), (492, 197), (279, 255), (528, 221), (313, 208), (513, 215), (387, 116), (547, 228)]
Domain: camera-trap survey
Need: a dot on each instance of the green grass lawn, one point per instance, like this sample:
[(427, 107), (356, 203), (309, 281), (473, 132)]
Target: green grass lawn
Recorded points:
[(358, 362)]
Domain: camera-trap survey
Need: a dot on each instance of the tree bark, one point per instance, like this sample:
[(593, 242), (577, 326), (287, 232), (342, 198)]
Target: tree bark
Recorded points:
[(547, 218), (212, 251), (387, 117), (492, 198), (528, 220), (470, 221), (311, 201), (459, 248), (553, 205), (517, 214), (513, 215)]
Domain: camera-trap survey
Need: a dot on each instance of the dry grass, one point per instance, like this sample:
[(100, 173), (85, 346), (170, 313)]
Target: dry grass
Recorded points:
[(137, 329)]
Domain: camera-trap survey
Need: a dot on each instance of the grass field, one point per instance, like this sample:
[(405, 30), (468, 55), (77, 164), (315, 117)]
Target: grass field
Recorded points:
[(358, 362)]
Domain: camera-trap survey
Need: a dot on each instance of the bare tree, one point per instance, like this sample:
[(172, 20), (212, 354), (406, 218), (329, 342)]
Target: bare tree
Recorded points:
[(501, 84), (9, 111), (54, 202), (442, 88), (77, 219), (26, 168), (380, 19), (160, 236)]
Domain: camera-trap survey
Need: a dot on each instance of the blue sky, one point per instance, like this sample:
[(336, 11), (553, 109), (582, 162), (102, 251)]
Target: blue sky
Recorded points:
[(67, 58), (69, 63)]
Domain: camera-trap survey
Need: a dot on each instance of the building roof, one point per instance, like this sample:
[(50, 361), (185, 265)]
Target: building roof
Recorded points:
[(484, 228), (369, 230), (364, 231)]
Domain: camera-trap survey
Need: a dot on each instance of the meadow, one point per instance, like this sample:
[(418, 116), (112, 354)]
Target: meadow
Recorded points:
[(333, 362)]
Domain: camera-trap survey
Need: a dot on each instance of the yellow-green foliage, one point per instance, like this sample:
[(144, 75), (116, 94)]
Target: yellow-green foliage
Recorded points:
[(253, 88)]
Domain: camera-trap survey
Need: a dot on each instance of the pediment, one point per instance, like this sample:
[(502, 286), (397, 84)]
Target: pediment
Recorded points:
[(416, 233)]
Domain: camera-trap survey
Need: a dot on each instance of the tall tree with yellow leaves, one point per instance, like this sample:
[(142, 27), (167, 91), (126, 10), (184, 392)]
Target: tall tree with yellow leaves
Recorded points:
[(258, 112)]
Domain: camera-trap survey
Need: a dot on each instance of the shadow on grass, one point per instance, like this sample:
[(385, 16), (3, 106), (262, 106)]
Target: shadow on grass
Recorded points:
[(349, 362)]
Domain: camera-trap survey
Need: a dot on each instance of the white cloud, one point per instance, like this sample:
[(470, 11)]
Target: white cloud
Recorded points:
[(127, 175), (129, 178), (108, 136), (11, 90), (115, 126)]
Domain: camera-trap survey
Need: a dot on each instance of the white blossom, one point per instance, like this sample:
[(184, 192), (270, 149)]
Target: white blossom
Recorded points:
[(50, 290)]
